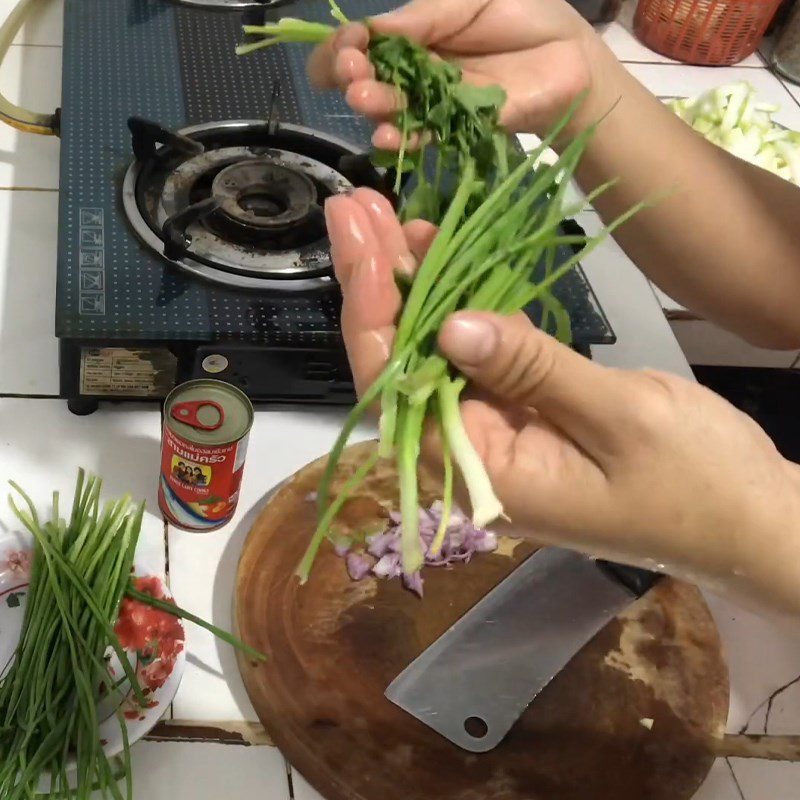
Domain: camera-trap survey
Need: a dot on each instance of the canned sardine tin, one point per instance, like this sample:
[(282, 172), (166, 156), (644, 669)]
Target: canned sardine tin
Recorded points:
[(203, 450)]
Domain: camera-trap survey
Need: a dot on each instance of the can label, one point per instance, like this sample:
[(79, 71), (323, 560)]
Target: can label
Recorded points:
[(199, 485)]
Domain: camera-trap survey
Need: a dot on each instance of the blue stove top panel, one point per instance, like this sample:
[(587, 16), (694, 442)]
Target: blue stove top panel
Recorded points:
[(176, 65)]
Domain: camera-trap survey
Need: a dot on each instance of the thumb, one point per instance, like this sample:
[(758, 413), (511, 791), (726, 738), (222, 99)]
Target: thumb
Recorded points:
[(521, 365), (428, 21)]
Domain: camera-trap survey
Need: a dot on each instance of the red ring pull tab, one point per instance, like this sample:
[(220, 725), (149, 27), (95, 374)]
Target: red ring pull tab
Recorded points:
[(187, 413)]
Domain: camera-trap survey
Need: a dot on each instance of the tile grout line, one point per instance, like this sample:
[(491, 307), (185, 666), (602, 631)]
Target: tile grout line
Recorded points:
[(41, 190), (784, 82), (785, 88), (735, 779), (38, 44)]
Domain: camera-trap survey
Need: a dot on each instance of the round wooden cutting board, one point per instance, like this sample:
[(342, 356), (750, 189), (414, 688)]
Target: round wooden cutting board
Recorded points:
[(334, 646)]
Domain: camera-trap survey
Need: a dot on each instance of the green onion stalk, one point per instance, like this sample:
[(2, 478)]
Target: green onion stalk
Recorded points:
[(82, 569), (500, 226)]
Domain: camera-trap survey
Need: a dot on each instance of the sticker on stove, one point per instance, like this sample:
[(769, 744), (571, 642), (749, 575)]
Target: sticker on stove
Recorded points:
[(91, 237), (118, 371), (94, 303), (91, 262), (92, 280), (91, 216), (91, 258)]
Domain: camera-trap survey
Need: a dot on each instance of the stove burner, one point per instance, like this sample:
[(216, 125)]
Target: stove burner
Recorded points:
[(262, 195), (240, 203)]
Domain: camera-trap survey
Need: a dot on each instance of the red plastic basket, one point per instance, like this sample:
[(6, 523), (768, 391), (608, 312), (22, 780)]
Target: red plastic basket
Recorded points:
[(706, 32)]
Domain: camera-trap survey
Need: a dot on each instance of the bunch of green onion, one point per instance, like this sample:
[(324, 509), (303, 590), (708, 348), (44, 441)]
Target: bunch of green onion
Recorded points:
[(49, 695), (482, 262), (502, 223)]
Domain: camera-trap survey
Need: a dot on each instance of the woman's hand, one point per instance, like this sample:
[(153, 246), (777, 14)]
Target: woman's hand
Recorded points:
[(639, 467), (542, 53)]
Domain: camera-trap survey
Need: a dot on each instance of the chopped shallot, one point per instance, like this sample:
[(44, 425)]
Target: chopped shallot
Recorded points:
[(342, 547), (358, 565), (380, 556)]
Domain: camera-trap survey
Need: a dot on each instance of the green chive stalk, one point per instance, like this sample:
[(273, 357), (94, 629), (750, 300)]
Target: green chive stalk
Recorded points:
[(50, 692)]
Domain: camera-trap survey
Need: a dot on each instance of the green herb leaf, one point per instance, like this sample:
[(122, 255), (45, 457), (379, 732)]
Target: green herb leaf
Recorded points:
[(475, 98), (387, 159), (424, 202)]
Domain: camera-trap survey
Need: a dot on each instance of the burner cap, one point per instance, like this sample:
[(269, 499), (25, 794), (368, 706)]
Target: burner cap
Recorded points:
[(264, 195)]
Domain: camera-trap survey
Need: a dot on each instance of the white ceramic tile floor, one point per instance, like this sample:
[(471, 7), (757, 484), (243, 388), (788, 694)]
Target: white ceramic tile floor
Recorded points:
[(42, 445), (620, 38), (31, 78), (705, 344), (719, 785), (45, 26), (281, 442), (792, 88), (764, 780), (28, 347), (171, 771), (302, 789)]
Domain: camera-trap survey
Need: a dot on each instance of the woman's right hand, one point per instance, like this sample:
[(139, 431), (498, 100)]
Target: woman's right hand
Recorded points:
[(639, 467), (542, 52)]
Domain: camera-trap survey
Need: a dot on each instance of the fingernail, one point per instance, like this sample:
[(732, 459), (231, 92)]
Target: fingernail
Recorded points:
[(385, 16), (341, 222), (341, 38), (392, 238), (333, 222), (406, 264), (468, 339), (349, 239), (350, 35), (344, 68)]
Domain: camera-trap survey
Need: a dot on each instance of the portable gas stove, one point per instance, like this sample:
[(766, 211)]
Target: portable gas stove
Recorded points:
[(191, 235)]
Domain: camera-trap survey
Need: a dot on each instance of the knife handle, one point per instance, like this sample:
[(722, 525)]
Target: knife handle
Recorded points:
[(638, 581)]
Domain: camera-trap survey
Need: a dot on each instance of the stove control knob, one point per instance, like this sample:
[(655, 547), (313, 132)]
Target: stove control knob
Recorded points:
[(214, 364)]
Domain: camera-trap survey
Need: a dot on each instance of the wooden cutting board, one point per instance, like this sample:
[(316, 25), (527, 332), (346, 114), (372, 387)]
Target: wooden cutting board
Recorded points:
[(335, 645)]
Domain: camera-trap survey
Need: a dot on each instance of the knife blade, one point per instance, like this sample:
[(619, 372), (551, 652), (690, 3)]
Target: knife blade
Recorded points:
[(474, 682)]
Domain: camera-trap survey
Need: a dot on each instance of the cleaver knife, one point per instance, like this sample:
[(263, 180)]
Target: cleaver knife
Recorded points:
[(474, 682)]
